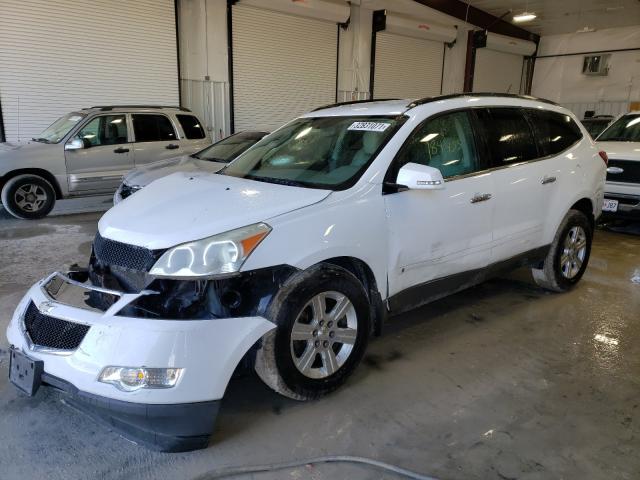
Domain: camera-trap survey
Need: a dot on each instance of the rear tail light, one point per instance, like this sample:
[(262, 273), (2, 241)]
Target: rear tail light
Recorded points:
[(604, 157)]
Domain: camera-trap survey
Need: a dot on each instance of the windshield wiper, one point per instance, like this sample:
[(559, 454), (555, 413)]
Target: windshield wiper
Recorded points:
[(41, 139), (278, 181)]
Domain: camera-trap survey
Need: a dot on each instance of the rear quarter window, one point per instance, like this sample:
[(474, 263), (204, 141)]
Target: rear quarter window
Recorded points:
[(555, 131), (191, 127)]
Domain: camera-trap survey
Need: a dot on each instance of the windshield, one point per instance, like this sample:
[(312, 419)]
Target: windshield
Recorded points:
[(595, 127), (625, 129), (59, 129), (229, 148), (325, 152)]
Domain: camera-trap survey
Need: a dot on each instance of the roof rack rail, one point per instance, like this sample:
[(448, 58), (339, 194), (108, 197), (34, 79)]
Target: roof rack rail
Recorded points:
[(425, 100), (353, 102), (105, 108)]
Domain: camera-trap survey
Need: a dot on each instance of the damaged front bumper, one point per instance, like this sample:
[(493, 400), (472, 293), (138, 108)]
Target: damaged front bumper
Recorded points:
[(55, 323)]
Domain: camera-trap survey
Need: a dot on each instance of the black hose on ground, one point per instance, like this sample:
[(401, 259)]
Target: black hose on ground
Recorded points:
[(272, 467)]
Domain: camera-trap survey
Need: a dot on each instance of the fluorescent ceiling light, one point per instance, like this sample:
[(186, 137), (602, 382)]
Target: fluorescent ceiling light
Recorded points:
[(524, 17)]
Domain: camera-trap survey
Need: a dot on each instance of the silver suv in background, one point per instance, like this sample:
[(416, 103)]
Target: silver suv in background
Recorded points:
[(87, 153)]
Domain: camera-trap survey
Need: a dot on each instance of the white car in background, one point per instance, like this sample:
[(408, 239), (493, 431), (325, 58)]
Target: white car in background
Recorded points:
[(210, 159), (296, 252), (621, 141)]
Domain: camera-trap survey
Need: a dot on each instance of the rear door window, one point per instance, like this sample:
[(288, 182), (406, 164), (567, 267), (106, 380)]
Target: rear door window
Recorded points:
[(509, 137), (191, 127), (554, 131), (152, 128)]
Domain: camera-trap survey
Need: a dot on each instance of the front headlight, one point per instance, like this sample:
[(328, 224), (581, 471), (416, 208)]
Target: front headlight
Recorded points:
[(218, 255)]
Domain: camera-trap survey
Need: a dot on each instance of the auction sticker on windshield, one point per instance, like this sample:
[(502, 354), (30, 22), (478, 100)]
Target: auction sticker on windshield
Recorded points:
[(369, 126)]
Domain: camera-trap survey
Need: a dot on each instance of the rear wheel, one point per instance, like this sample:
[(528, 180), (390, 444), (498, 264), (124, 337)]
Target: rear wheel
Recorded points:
[(323, 326), (568, 256), (28, 196)]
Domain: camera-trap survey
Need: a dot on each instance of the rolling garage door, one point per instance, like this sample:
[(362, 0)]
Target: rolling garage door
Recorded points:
[(499, 66), (283, 66), (409, 56), (60, 56), (407, 67)]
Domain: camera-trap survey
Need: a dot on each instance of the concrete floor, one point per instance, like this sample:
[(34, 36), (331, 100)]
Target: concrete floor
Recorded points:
[(503, 381)]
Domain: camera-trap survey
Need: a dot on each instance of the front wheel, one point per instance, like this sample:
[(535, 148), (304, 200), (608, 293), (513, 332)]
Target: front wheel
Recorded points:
[(28, 196), (568, 256), (323, 326)]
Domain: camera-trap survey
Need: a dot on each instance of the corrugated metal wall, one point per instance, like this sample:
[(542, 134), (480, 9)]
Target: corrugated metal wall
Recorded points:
[(68, 54), (407, 67), (283, 66), (210, 102), (499, 72)]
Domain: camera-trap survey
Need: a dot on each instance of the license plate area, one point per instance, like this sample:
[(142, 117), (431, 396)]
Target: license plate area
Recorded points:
[(609, 205), (25, 372)]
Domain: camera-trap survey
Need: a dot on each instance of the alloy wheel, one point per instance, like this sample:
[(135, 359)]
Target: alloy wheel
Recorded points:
[(30, 197), (323, 335), (574, 252)]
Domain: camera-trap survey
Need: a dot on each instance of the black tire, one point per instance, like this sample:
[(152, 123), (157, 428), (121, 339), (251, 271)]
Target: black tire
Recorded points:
[(551, 276), (275, 358), (14, 202)]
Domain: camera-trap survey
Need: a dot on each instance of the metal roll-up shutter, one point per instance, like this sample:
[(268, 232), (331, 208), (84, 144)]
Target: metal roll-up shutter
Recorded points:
[(283, 66), (60, 56), (407, 67), (499, 65), (496, 71)]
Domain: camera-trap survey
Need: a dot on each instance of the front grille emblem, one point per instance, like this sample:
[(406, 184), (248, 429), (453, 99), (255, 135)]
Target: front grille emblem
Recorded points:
[(45, 307)]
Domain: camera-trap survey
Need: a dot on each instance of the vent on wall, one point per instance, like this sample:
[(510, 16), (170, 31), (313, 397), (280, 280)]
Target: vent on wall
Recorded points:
[(596, 65)]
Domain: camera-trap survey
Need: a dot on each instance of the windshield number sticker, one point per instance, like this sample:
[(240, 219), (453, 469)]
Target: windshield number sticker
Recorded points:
[(75, 118), (369, 126)]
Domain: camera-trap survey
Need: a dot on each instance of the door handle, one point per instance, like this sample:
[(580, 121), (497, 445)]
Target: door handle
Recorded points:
[(546, 180), (172, 146), (121, 150), (480, 197)]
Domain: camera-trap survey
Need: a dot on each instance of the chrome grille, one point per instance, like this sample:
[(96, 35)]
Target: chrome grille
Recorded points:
[(627, 171), (109, 253), (51, 332)]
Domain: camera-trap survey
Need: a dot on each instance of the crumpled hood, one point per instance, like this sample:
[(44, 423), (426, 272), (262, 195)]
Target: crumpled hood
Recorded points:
[(189, 206), (621, 150), (144, 175)]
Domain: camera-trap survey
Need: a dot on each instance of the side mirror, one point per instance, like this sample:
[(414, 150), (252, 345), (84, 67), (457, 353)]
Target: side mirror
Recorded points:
[(420, 177), (75, 144)]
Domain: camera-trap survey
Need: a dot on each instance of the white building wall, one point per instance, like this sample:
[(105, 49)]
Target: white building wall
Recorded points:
[(560, 78)]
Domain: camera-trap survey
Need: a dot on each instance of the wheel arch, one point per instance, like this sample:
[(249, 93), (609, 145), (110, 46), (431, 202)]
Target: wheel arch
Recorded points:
[(34, 171), (585, 205), (363, 272)]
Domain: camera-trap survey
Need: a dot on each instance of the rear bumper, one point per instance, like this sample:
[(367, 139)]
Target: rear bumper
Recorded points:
[(168, 428)]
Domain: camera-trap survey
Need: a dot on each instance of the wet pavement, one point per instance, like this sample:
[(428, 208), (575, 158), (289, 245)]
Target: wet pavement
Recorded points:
[(502, 381)]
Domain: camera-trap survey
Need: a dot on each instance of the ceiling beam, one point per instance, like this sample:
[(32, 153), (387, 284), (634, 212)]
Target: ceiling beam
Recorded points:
[(479, 18)]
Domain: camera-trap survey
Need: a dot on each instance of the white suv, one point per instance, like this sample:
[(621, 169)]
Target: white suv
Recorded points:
[(621, 141), (296, 252)]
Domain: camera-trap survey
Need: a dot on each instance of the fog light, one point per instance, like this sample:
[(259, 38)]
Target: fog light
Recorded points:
[(130, 379)]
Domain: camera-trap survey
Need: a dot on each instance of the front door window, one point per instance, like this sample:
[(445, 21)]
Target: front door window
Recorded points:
[(104, 130)]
